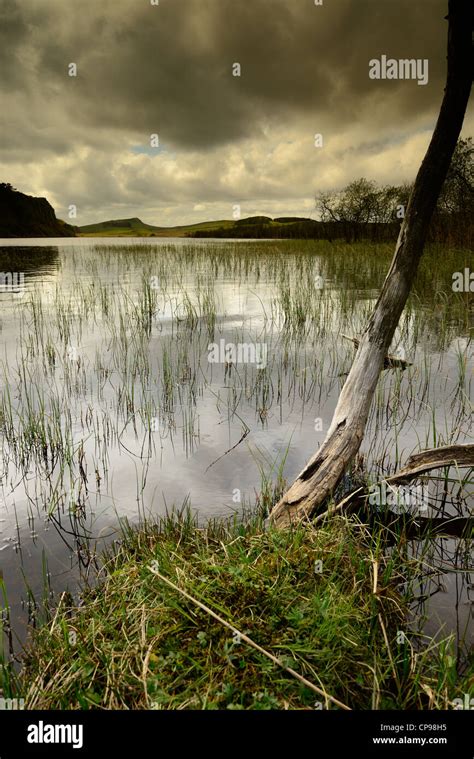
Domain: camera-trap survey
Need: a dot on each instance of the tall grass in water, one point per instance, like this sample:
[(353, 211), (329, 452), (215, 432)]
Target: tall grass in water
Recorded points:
[(113, 363)]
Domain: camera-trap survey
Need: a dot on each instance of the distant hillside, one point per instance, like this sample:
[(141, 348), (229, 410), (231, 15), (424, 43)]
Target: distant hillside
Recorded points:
[(117, 227), (137, 228), (253, 226), (283, 228), (25, 216)]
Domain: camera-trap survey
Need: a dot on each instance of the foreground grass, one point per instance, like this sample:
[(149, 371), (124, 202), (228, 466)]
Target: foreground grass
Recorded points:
[(323, 601)]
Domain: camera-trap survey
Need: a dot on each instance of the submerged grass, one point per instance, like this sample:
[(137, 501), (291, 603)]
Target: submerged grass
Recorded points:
[(117, 361), (323, 601), (116, 355)]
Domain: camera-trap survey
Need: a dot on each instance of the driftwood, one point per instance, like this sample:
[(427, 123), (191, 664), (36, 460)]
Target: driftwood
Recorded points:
[(433, 458), (416, 526), (413, 525), (349, 503), (389, 362), (320, 477)]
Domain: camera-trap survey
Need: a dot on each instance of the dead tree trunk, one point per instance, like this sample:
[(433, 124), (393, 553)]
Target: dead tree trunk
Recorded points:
[(322, 473)]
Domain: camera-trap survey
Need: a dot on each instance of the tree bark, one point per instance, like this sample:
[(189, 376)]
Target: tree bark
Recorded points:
[(433, 458), (322, 473)]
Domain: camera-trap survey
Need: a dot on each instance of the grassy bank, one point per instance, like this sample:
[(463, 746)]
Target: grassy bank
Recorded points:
[(324, 601)]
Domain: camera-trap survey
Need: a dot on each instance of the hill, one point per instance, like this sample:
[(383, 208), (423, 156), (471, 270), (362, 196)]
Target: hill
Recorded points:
[(26, 216), (253, 226), (135, 227)]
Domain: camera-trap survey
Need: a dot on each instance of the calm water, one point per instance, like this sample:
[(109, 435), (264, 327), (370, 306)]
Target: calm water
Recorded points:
[(112, 408)]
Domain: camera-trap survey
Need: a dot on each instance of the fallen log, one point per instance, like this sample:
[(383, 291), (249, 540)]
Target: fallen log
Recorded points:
[(418, 464), (433, 458), (349, 503)]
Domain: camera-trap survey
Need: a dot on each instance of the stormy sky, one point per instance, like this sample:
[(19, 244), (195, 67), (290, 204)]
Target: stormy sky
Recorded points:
[(167, 69)]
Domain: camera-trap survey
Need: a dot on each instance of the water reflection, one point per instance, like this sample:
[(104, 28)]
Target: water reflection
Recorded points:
[(111, 409)]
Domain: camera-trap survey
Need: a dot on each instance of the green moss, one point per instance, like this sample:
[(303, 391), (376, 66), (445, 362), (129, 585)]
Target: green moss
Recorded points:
[(137, 643)]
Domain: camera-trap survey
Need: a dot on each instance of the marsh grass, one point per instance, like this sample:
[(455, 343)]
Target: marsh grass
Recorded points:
[(136, 384), (70, 401), (151, 359), (324, 601)]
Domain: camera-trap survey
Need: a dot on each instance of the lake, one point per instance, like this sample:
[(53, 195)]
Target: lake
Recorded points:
[(139, 376)]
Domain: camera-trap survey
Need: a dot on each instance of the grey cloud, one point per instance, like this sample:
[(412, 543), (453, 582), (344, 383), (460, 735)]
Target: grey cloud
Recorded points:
[(167, 69)]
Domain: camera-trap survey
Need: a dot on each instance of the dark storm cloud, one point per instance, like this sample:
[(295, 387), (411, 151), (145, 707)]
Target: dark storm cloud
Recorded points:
[(13, 32), (168, 68)]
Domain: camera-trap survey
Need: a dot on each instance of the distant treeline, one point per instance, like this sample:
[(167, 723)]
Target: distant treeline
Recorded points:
[(452, 229), (305, 229)]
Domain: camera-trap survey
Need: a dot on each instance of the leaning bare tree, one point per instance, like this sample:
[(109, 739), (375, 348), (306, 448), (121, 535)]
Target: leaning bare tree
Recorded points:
[(322, 473)]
